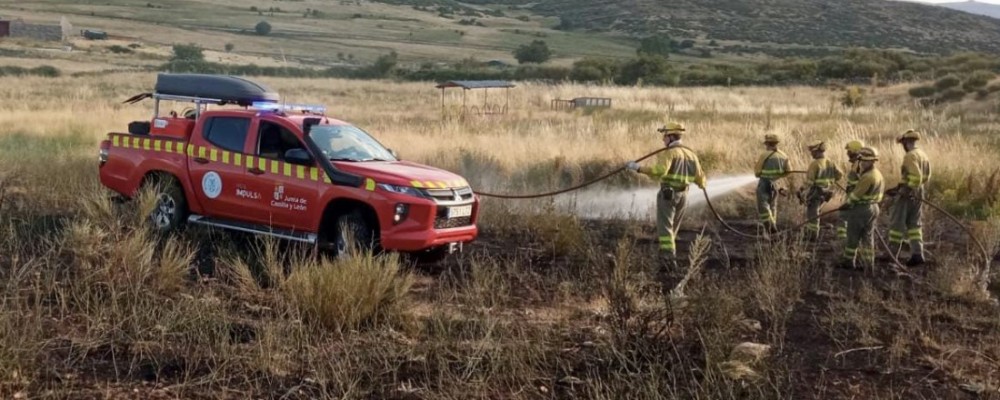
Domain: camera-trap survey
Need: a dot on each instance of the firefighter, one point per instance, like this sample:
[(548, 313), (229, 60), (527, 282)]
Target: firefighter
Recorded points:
[(906, 215), (861, 210), (853, 147), (772, 165), (820, 177), (679, 169)]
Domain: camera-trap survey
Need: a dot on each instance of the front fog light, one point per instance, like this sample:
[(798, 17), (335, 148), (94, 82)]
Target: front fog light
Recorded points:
[(401, 211)]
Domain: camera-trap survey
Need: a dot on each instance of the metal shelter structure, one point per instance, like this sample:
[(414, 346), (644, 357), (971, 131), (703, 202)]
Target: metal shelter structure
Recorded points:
[(486, 108)]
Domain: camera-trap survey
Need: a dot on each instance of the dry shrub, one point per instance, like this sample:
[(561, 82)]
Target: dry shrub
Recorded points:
[(116, 250), (348, 294), (541, 226), (776, 284)]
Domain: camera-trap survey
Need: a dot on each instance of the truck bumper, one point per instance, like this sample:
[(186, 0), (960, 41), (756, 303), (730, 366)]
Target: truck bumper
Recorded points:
[(428, 239)]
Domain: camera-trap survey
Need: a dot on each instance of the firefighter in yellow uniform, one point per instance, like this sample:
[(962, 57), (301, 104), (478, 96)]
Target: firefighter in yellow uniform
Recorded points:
[(853, 174), (679, 169), (906, 211), (820, 177), (771, 166), (861, 210)]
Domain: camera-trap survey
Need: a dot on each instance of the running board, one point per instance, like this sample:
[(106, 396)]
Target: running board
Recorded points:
[(281, 233)]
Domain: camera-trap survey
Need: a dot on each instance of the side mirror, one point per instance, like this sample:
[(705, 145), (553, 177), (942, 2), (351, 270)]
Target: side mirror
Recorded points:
[(298, 157), (394, 155)]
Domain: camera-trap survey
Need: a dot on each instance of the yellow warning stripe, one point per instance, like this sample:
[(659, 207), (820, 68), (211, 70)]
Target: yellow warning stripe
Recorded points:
[(239, 159)]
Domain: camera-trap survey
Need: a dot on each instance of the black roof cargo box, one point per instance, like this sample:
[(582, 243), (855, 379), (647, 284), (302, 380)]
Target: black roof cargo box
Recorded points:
[(226, 89)]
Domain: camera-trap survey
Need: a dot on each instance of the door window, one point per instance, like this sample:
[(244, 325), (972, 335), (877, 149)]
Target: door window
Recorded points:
[(274, 140), (228, 133)]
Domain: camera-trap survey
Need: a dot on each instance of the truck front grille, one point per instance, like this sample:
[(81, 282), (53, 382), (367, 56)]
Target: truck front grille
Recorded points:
[(451, 196), (445, 223)]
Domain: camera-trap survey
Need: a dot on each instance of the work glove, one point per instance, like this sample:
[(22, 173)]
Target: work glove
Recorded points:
[(801, 195), (892, 192), (827, 195), (632, 166), (701, 183), (844, 207), (783, 192)]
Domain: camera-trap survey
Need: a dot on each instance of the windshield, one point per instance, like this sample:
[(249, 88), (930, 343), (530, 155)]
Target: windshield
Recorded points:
[(348, 143)]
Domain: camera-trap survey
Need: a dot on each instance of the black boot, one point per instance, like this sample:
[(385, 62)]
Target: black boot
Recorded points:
[(915, 260)]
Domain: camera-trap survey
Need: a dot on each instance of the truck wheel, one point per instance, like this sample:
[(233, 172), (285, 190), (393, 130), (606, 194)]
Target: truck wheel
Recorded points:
[(171, 206), (353, 232)]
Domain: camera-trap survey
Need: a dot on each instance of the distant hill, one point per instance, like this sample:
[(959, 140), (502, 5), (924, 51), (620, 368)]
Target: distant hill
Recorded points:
[(975, 7), (868, 23)]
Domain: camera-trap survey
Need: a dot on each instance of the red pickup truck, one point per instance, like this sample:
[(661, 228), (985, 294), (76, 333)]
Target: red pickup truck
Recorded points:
[(283, 170)]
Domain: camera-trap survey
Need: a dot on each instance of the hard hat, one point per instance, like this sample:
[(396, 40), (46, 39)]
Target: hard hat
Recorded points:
[(854, 146), (868, 154), (909, 134), (771, 138), (672, 127), (818, 145)]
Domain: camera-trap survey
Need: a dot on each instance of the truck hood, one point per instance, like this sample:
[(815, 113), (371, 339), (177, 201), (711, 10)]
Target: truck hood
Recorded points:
[(403, 173)]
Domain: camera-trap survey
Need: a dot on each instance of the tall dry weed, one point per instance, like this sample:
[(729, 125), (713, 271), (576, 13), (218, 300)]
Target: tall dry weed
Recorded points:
[(351, 293)]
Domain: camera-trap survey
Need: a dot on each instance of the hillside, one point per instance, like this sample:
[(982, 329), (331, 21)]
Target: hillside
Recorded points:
[(975, 7), (867, 23)]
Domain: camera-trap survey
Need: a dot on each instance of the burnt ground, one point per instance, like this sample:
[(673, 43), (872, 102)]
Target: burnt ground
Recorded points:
[(895, 357), (844, 334)]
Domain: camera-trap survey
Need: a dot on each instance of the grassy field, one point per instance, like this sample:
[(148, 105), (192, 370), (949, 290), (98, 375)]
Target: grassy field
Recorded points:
[(544, 305), (363, 30)]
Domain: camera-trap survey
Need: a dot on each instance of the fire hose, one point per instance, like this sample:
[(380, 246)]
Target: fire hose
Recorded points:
[(718, 217)]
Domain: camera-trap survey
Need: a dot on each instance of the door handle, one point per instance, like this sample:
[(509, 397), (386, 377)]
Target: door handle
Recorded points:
[(201, 160), (256, 171)]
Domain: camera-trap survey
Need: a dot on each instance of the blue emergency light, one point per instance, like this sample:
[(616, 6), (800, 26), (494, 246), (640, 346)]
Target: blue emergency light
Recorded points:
[(272, 106)]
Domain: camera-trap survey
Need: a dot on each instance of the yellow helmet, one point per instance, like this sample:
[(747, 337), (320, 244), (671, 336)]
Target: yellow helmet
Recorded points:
[(672, 127), (818, 145), (771, 138), (854, 146), (909, 134), (868, 154)]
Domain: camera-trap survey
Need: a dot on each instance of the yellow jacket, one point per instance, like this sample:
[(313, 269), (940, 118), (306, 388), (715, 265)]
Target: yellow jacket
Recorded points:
[(679, 168), (869, 189), (772, 165), (822, 173), (916, 168)]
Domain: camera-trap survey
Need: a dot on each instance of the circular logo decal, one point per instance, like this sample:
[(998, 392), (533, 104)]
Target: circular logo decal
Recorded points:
[(211, 184)]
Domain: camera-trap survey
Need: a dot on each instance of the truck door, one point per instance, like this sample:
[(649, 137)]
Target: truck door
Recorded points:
[(290, 190), (215, 155)]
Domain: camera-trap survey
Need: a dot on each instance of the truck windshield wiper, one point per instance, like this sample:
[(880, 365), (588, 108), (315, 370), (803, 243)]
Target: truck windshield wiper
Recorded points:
[(345, 159)]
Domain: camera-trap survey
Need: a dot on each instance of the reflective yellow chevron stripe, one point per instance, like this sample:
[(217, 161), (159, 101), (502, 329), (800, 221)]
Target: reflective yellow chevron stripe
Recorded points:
[(238, 159)]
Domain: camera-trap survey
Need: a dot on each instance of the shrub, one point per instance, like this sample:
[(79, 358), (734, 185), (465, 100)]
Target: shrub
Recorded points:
[(947, 82), (953, 94), (263, 28), (977, 80), (993, 88), (923, 91), (229, 47), (853, 97), (188, 52), (117, 49), (535, 52), (361, 291)]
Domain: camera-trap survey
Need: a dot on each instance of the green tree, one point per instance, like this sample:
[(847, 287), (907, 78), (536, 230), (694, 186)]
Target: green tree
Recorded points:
[(263, 28), (650, 68), (187, 52), (594, 70), (536, 52), (660, 45), (385, 63)]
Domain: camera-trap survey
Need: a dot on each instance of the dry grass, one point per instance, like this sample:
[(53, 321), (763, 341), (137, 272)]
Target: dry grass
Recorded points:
[(548, 305)]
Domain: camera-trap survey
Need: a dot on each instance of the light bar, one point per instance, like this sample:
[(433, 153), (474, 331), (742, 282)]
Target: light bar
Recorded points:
[(271, 106)]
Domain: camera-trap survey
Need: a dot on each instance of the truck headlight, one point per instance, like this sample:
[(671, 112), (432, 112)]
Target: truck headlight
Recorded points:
[(407, 190)]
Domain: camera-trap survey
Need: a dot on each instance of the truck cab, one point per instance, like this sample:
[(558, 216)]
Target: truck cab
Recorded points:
[(282, 170)]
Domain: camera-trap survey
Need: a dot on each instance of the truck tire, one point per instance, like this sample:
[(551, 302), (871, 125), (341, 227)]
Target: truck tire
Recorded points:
[(352, 231), (171, 206)]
